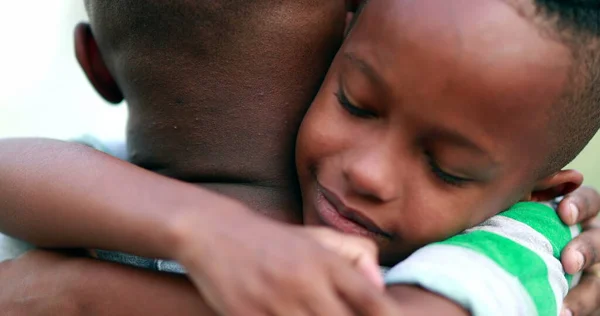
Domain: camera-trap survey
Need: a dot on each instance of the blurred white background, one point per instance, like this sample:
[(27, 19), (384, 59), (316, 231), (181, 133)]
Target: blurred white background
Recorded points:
[(44, 93)]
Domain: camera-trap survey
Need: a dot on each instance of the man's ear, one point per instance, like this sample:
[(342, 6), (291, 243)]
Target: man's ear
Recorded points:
[(89, 58), (559, 184)]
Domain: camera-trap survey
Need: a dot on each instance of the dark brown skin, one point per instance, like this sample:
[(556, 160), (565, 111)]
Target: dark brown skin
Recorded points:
[(140, 212), (419, 111), (58, 284), (252, 161), (582, 252), (157, 156)]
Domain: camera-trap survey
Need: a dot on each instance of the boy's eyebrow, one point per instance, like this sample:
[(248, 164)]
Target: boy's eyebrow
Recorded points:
[(364, 67)]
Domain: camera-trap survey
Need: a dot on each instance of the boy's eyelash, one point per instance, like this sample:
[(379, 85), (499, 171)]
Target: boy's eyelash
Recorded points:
[(351, 108), (444, 176)]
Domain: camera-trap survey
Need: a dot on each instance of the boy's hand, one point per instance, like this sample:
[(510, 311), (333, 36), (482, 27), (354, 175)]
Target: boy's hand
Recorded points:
[(582, 253), (249, 265), (359, 251)]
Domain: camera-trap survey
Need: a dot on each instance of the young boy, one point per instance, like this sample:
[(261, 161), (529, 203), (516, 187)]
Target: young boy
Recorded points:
[(355, 159)]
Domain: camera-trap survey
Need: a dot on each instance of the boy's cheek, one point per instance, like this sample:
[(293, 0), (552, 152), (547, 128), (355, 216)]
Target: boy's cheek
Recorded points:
[(439, 219)]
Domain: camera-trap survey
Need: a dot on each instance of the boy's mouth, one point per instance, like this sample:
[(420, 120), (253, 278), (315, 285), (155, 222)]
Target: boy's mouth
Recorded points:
[(332, 212)]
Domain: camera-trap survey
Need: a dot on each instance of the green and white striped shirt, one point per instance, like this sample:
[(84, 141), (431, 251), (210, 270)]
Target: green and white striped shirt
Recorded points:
[(508, 265)]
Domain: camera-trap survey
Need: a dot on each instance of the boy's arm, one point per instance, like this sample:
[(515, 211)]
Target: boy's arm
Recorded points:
[(72, 196), (64, 195), (508, 265)]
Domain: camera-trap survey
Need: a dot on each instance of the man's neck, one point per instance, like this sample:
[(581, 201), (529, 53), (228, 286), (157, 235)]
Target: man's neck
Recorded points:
[(230, 117), (268, 185), (282, 204)]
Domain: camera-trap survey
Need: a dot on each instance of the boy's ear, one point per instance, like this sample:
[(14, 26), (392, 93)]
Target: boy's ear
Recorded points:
[(559, 184), (349, 17), (89, 58)]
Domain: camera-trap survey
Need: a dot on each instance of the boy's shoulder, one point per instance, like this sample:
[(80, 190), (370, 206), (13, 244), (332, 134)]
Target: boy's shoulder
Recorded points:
[(523, 223), (514, 255)]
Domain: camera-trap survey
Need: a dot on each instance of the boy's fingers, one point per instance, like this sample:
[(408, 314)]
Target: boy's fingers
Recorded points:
[(361, 252), (579, 206), (582, 252), (347, 246), (584, 299), (342, 243)]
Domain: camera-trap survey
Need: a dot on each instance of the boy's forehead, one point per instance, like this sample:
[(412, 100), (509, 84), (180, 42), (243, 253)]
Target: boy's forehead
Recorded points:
[(479, 45), (485, 31)]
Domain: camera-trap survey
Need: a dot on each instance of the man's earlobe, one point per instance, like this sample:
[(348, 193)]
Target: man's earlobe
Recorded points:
[(89, 58), (559, 184)]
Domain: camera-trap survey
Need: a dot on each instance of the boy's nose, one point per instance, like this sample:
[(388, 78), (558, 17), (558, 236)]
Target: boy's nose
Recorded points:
[(372, 176)]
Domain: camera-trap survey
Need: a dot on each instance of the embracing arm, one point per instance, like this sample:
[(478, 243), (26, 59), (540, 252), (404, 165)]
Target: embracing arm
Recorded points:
[(56, 284), (64, 195)]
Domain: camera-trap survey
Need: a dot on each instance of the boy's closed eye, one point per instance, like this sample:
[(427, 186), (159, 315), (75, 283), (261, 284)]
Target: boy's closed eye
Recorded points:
[(445, 176), (436, 170), (351, 107)]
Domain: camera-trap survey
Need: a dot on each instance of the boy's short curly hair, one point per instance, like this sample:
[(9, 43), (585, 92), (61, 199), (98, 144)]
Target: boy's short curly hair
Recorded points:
[(576, 24)]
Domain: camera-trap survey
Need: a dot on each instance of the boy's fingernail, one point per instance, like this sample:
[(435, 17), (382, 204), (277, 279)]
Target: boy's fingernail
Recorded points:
[(580, 260), (574, 213), (566, 312)]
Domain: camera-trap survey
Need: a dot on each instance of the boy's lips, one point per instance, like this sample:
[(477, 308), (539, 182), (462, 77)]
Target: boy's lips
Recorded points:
[(334, 213)]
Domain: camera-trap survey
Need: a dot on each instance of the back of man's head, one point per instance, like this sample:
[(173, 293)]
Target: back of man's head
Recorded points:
[(216, 78)]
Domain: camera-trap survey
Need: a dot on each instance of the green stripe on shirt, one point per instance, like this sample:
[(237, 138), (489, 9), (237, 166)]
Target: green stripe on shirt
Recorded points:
[(544, 220), (517, 260)]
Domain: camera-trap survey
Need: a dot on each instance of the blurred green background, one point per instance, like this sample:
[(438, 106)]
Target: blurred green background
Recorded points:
[(45, 94), (589, 162)]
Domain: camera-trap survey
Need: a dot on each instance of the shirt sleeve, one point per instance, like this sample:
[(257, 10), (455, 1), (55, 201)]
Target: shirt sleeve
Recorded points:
[(508, 265)]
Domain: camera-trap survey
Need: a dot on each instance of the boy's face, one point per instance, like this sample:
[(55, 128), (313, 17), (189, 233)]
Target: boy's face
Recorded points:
[(433, 117)]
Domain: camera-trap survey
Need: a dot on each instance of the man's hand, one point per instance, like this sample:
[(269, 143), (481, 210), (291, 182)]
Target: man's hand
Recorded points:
[(255, 266), (583, 252)]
